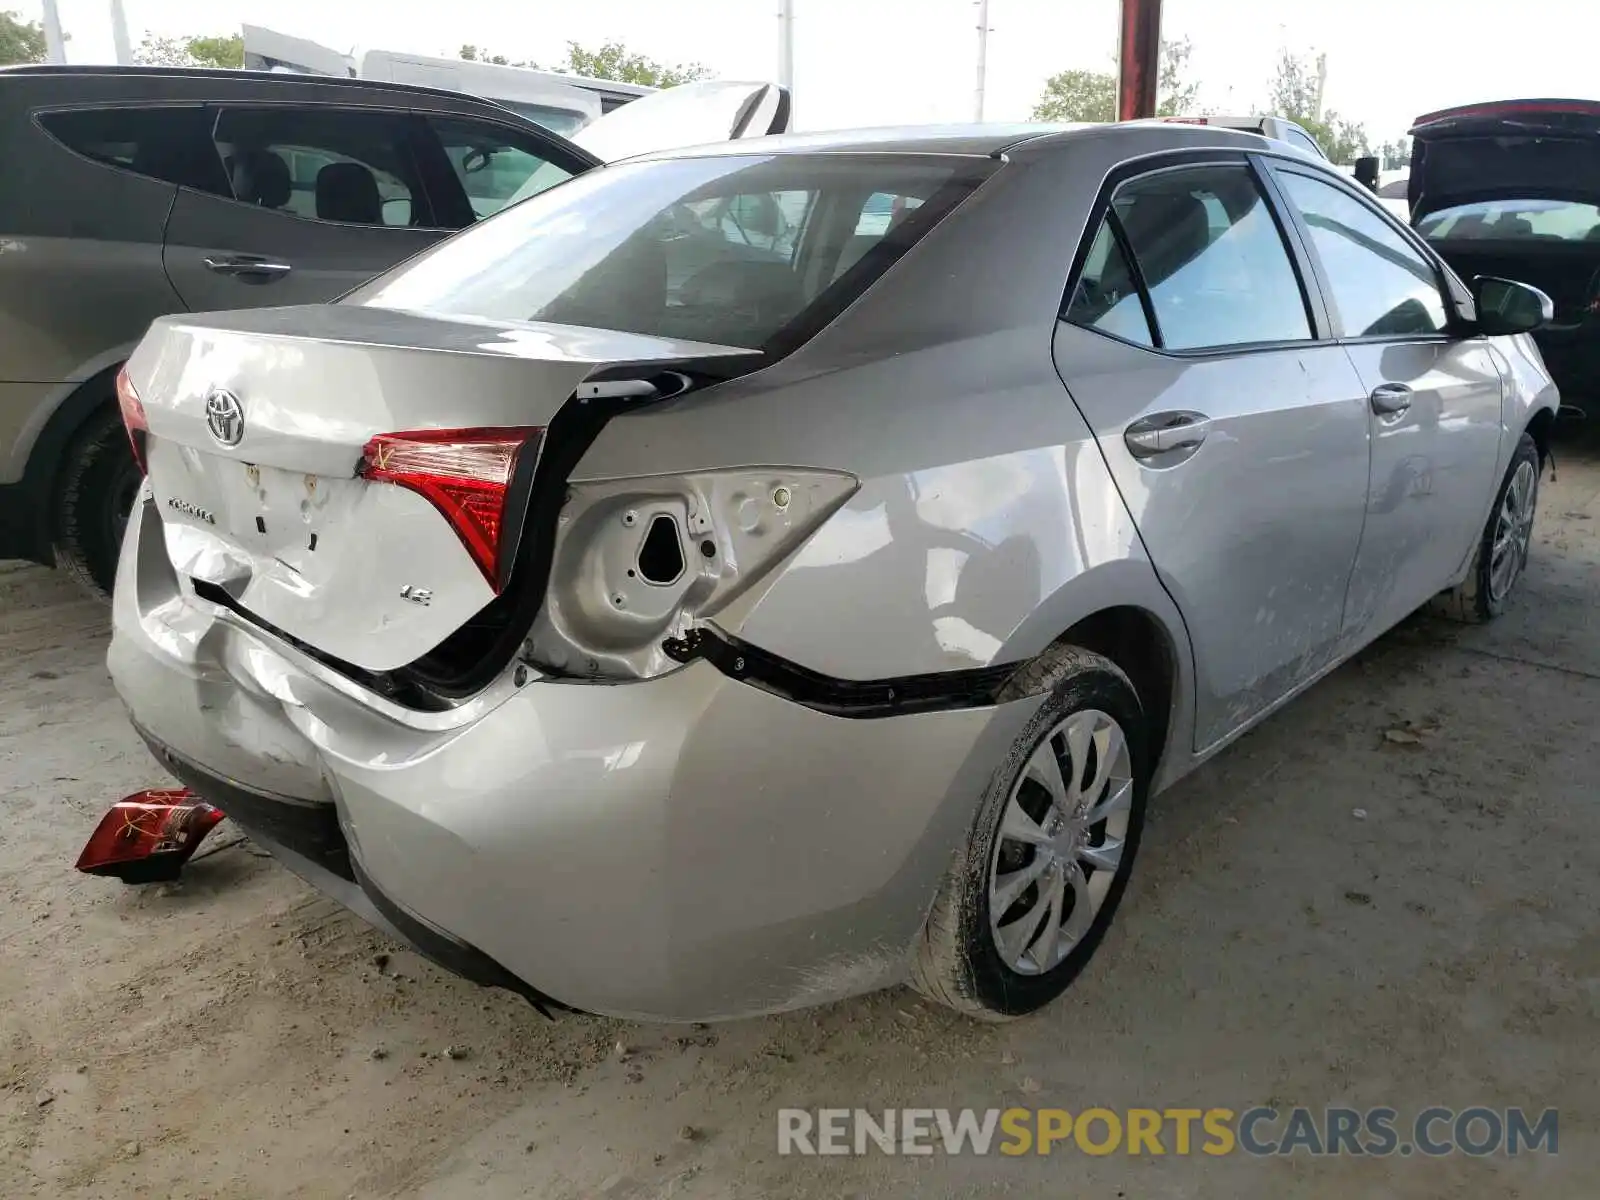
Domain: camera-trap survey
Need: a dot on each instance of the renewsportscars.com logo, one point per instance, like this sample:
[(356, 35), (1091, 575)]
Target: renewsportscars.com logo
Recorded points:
[(1258, 1132)]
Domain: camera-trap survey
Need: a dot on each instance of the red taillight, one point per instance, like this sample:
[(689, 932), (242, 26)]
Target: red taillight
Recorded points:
[(148, 836), (464, 473), (133, 419)]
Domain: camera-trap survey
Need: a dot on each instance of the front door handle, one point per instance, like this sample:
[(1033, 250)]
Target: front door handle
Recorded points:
[(248, 265), (1390, 399), (1166, 433)]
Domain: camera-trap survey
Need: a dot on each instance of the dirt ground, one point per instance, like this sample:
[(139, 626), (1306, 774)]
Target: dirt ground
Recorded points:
[(237, 1036)]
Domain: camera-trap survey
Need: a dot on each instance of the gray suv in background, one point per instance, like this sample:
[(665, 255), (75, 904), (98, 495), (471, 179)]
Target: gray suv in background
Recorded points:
[(135, 192)]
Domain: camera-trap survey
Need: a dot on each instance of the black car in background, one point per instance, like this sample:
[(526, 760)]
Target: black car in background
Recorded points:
[(1512, 189)]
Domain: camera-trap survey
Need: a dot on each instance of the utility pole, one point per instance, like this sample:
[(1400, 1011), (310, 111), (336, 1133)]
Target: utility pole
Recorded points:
[(786, 52), (1138, 59), (55, 45), (983, 59), (119, 35)]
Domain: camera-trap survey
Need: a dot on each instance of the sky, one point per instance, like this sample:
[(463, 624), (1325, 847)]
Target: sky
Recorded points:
[(875, 62)]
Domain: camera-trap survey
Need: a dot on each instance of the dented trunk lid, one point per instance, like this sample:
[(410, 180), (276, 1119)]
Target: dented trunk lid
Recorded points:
[(277, 520)]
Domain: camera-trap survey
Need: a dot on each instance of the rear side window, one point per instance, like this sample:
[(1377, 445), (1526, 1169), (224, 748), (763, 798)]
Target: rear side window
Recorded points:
[(169, 144), (493, 164), (1382, 286), (1209, 253), (325, 164), (734, 249), (1107, 295)]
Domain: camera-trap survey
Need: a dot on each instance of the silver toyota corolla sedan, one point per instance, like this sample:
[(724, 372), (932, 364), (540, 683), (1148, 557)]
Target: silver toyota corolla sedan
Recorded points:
[(742, 578)]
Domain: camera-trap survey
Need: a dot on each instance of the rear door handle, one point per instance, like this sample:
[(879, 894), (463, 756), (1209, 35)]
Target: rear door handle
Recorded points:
[(1164, 433), (1390, 399), (244, 264)]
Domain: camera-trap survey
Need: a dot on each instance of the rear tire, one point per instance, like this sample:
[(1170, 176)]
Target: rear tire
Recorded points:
[(97, 486), (1501, 556), (976, 953)]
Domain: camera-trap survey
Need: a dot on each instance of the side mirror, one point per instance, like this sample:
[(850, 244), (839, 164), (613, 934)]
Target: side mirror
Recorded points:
[(1505, 306), (1366, 172)]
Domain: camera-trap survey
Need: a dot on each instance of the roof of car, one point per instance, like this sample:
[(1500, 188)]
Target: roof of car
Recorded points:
[(228, 75), (973, 139)]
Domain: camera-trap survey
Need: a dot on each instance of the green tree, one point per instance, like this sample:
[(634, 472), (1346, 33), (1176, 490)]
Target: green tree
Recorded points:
[(1177, 94), (1092, 95), (20, 41), (472, 54), (613, 61), (1078, 96), (1296, 93), (1395, 155), (219, 50)]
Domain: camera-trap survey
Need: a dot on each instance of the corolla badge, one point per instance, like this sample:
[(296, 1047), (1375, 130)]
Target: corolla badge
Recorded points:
[(224, 417), (189, 509)]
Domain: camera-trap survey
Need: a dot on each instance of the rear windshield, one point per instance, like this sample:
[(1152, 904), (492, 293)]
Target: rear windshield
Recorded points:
[(1514, 220), (735, 250)]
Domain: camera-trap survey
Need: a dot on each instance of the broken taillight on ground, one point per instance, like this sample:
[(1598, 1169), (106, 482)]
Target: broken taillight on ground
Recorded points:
[(147, 837)]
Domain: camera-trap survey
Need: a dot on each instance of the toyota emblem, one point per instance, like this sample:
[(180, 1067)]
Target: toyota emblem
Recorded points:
[(224, 416)]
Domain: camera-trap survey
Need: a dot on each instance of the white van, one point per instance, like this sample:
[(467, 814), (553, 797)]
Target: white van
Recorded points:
[(563, 104)]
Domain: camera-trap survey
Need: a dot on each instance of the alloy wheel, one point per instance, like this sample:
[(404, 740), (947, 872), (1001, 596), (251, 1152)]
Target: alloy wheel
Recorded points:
[(1061, 840), (1513, 530)]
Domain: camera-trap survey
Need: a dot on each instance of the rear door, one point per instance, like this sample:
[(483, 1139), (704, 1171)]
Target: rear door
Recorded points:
[(1236, 438), (82, 208), (1433, 400), (319, 199)]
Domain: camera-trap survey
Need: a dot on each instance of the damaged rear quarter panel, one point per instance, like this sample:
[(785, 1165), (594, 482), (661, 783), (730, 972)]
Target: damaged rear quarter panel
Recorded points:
[(983, 495)]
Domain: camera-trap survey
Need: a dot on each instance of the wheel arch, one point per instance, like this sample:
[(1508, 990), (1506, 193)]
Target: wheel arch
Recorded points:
[(41, 475), (1539, 429), (1149, 652)]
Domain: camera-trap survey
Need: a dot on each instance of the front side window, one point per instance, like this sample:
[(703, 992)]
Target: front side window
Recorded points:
[(169, 144), (728, 249), (1514, 220), (324, 164), (493, 164), (1382, 286), (1212, 257)]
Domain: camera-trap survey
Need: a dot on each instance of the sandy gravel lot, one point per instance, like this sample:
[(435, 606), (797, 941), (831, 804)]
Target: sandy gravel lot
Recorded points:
[(237, 1036)]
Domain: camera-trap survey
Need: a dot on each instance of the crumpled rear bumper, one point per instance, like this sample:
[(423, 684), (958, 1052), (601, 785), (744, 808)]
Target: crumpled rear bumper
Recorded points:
[(684, 848)]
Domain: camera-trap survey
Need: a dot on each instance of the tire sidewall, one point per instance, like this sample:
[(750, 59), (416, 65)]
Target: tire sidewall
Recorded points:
[(994, 984)]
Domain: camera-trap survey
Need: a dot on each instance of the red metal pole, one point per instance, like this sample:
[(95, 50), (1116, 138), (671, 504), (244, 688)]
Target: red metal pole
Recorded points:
[(1139, 59)]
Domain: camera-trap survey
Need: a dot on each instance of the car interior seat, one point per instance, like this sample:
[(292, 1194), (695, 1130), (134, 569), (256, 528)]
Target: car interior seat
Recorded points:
[(348, 191), (770, 289), (260, 177)]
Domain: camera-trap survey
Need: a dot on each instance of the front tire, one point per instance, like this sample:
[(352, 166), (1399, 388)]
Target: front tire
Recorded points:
[(98, 483), (1501, 556), (1029, 897)]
